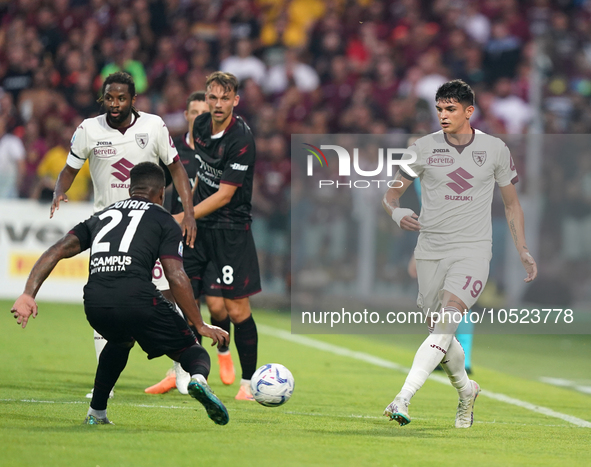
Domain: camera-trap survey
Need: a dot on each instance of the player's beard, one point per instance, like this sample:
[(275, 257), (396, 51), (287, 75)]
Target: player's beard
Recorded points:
[(119, 119)]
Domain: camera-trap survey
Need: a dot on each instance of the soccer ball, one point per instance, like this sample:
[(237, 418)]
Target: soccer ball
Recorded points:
[(272, 385)]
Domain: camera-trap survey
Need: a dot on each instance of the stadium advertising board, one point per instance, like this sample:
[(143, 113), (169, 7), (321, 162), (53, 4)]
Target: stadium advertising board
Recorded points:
[(25, 233)]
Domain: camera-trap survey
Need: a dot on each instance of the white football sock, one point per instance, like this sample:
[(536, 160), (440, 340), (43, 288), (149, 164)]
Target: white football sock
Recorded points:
[(97, 413), (431, 352), (454, 366), (199, 378), (99, 344)]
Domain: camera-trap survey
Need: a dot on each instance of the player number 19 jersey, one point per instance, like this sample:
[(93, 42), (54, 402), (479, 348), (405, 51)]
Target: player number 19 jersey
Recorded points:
[(457, 184)]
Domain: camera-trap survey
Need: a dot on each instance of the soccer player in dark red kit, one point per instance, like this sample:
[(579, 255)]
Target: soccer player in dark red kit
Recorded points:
[(207, 285), (120, 300), (225, 152)]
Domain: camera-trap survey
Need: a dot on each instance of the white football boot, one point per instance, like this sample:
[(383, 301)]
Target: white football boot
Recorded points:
[(465, 413), (398, 410)]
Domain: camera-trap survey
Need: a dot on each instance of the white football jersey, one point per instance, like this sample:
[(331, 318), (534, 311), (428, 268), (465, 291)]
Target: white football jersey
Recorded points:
[(112, 153), (457, 184)]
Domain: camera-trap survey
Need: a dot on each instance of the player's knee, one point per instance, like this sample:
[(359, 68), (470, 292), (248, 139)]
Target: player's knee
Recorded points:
[(217, 309), (238, 316), (125, 345), (238, 310), (447, 320), (451, 300), (193, 354)]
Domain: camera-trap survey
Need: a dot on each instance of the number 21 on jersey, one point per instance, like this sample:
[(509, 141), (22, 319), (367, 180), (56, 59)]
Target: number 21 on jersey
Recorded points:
[(116, 218)]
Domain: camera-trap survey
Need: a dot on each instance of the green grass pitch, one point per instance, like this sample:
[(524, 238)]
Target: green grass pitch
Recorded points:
[(333, 418)]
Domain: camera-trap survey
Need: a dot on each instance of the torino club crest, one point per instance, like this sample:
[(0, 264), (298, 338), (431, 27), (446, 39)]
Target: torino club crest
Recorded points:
[(141, 139), (479, 157)]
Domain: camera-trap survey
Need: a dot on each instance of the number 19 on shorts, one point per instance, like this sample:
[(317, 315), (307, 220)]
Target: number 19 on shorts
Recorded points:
[(476, 286)]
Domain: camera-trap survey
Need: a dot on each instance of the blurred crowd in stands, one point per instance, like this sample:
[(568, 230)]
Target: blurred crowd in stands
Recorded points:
[(305, 66)]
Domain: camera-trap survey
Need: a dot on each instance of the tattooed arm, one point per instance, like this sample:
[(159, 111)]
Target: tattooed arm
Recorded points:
[(405, 218), (514, 215)]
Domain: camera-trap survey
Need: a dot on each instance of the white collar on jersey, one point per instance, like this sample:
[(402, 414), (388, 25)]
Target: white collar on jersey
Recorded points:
[(218, 135)]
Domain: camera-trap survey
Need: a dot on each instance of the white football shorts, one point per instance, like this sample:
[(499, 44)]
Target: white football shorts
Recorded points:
[(463, 277), (158, 278)]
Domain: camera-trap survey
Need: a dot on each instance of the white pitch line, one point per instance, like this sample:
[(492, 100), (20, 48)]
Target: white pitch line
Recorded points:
[(565, 383), (35, 401), (44, 402), (304, 414), (377, 361)]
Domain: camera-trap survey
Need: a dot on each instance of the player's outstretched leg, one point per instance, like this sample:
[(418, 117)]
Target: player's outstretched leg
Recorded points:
[(430, 354), (195, 360), (99, 345), (112, 361), (246, 340)]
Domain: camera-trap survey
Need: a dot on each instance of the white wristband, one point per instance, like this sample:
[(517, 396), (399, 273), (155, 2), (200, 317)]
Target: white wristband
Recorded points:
[(399, 213)]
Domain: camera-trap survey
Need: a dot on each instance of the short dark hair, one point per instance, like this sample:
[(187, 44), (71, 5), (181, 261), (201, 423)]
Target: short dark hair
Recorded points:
[(147, 176), (456, 90), (226, 80), (120, 77), (195, 96)]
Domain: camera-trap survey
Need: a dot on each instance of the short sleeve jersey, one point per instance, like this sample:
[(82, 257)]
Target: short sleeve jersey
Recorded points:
[(227, 158), (457, 191), (188, 159), (113, 152), (125, 240)]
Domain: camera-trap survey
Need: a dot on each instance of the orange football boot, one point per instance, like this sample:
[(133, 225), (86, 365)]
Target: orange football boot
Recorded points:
[(168, 383), (244, 393), (227, 373)]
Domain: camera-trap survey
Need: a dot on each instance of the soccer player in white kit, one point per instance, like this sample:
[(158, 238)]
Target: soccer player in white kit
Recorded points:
[(114, 143), (458, 167)]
